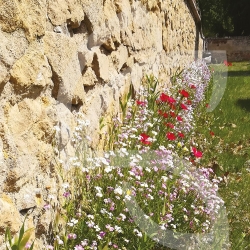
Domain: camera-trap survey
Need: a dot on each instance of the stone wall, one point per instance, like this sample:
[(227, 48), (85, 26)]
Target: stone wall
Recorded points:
[(236, 49), (60, 56)]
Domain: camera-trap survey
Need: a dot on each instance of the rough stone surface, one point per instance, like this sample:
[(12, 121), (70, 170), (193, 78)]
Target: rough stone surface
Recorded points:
[(60, 56)]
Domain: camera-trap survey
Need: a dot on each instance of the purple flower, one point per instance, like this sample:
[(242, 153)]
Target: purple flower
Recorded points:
[(102, 234), (66, 194), (72, 236)]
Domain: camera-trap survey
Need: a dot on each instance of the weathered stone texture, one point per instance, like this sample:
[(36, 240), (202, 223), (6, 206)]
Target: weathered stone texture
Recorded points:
[(60, 56)]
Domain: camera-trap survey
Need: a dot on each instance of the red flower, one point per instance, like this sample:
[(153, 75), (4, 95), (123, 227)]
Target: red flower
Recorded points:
[(164, 97), (165, 115), (171, 136), (181, 135), (207, 105), (183, 106), (227, 63), (211, 133), (172, 106), (169, 124), (196, 153), (140, 103), (171, 100), (172, 114), (189, 102), (192, 86), (160, 112), (179, 118), (145, 139), (184, 93)]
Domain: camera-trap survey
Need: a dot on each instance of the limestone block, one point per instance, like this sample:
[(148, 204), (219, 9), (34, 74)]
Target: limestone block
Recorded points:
[(119, 57), (62, 11), (31, 69), (136, 76), (4, 74), (33, 16), (13, 46), (9, 16), (101, 65), (9, 216), (31, 130), (62, 55), (112, 25), (15, 14), (89, 77)]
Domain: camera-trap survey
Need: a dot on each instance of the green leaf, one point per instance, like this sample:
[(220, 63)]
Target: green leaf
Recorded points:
[(31, 247), (106, 247), (21, 233), (8, 236), (25, 238), (14, 247), (164, 208)]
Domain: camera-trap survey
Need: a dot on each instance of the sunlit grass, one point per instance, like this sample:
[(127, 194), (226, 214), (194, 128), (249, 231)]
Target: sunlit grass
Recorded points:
[(232, 142)]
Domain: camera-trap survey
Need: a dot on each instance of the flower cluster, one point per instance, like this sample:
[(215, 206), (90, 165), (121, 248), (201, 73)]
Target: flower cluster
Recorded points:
[(148, 169)]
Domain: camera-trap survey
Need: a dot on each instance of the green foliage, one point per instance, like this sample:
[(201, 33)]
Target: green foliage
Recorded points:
[(19, 241), (225, 17)]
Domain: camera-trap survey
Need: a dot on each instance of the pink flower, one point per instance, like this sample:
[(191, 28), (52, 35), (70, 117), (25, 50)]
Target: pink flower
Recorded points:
[(46, 206), (110, 228), (66, 194), (78, 247), (27, 246), (197, 154), (72, 236)]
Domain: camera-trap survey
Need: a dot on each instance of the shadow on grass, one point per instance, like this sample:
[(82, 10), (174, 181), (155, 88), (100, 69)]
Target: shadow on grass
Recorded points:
[(244, 104), (238, 73)]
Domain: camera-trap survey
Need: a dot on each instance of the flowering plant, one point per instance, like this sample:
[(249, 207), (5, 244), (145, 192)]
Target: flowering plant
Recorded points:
[(143, 192)]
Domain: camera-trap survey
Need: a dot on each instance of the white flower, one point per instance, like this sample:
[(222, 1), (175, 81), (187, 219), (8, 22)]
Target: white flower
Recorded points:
[(123, 216), (97, 228), (118, 229), (127, 197), (138, 233), (118, 190), (65, 185), (108, 169)]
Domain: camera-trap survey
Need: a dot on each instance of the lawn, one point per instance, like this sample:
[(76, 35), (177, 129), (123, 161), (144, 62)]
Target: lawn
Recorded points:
[(231, 146)]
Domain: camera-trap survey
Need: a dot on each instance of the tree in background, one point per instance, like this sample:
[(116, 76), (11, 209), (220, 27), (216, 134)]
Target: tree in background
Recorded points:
[(225, 17)]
